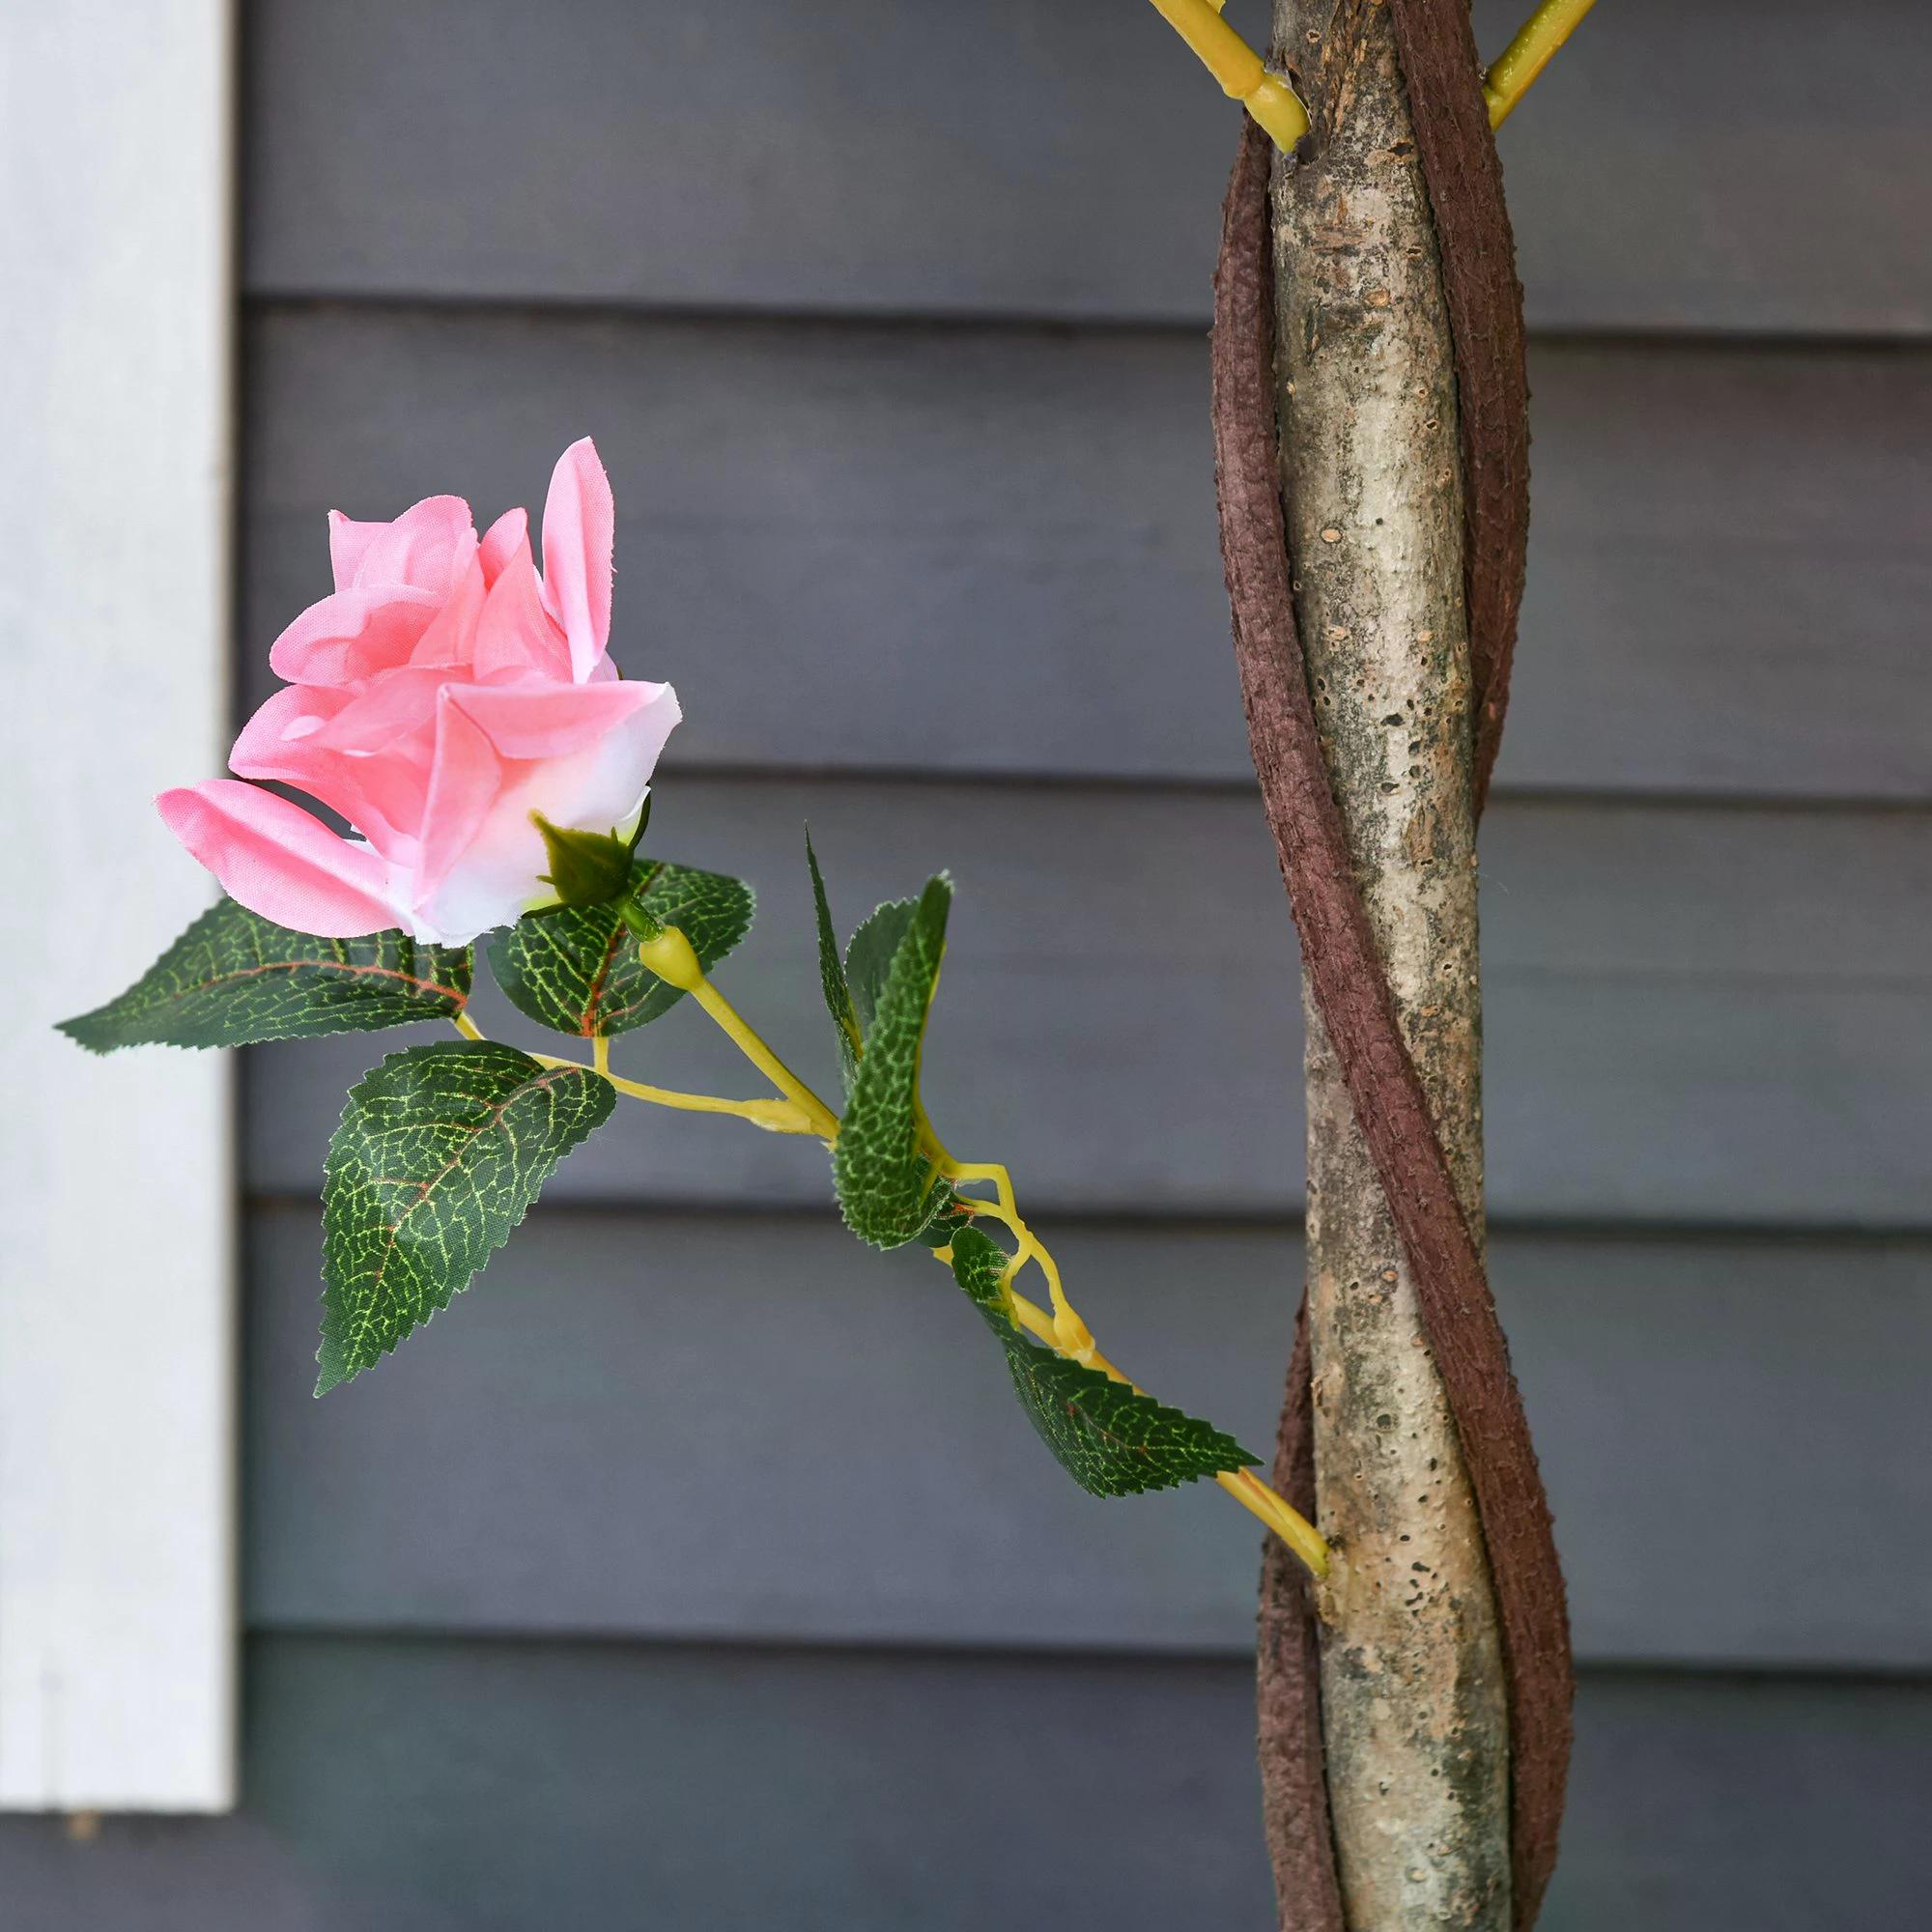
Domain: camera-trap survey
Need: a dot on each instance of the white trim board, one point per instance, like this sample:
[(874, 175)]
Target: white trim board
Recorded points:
[(117, 1210)]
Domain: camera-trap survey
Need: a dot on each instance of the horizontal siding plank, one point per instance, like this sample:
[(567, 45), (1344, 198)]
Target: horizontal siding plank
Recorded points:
[(697, 1426), (806, 509), (399, 1787), (1694, 1015), (1058, 161)]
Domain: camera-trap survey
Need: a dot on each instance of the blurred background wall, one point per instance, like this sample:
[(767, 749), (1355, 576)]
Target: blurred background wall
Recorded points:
[(697, 1571)]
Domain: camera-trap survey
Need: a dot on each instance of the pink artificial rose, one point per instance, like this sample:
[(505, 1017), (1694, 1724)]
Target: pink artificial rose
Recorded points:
[(443, 693)]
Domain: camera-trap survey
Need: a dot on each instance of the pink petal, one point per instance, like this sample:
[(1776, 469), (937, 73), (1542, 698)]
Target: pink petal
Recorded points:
[(452, 636), (281, 742), (578, 528), (289, 739), (389, 707), (348, 543), (278, 860), (501, 541), (465, 778), (515, 636), (352, 635), (554, 721), (496, 876), (423, 548)]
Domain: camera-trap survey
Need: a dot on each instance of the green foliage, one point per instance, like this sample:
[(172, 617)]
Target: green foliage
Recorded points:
[(887, 1189), (232, 978), (589, 868), (575, 968), (441, 1151), (869, 958), (1109, 1437), (832, 976)]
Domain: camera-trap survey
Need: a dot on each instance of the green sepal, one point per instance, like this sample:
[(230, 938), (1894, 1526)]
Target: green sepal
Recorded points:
[(832, 976), (441, 1151), (232, 978), (888, 1188), (589, 868), (574, 970), (1112, 1439)]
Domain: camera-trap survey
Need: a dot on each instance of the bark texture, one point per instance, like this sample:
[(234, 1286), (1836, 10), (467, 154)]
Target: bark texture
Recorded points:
[(1370, 1048), (1415, 1714)]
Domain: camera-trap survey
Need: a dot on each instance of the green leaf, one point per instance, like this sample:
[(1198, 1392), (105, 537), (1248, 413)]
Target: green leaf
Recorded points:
[(869, 958), (232, 978), (576, 970), (832, 974), (441, 1151), (886, 1185), (1112, 1439)]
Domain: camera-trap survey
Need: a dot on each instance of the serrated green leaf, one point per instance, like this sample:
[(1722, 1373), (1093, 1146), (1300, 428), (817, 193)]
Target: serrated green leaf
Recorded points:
[(441, 1151), (234, 980), (869, 958), (1112, 1439), (575, 970), (832, 974), (886, 1186)]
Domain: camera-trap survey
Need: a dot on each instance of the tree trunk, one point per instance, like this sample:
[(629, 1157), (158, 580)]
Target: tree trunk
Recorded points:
[(1413, 1713)]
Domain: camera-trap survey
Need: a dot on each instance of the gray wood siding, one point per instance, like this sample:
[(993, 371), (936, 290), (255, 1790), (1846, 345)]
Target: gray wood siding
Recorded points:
[(694, 1571), (821, 525), (602, 1462), (497, 1787), (1694, 1016), (1737, 165)]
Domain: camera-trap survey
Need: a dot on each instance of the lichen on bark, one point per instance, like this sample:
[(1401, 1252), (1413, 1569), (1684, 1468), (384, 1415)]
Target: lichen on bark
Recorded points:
[(1414, 1719)]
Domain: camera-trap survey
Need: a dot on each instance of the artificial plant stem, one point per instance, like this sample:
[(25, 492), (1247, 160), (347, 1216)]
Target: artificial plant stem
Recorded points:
[(823, 1120), (1518, 66), (1413, 1716), (1237, 68), (668, 953), (779, 1116), (1246, 1487)]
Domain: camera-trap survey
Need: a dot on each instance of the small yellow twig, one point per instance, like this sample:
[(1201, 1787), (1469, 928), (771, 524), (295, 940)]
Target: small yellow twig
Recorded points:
[(1238, 69), (1247, 1489), (1526, 57), (777, 1117), (801, 1110)]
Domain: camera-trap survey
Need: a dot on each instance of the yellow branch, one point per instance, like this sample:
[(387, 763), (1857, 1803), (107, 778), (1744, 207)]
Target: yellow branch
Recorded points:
[(1526, 57), (671, 957), (1237, 68), (777, 1117)]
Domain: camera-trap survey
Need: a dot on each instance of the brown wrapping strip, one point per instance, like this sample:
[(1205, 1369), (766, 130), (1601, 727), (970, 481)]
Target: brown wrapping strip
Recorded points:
[(1346, 974), (1458, 153), (1308, 1894)]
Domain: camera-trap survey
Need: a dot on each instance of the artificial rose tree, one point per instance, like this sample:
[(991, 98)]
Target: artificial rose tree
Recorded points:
[(456, 707), (459, 709)]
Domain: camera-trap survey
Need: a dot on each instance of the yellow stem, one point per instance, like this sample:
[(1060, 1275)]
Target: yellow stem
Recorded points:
[(801, 1110), (671, 956), (1247, 1489), (823, 1121), (1237, 68), (777, 1117), (1526, 57), (1286, 1522)]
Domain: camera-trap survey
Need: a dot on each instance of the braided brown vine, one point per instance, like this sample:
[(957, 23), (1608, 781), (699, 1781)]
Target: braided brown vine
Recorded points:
[(1345, 975)]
